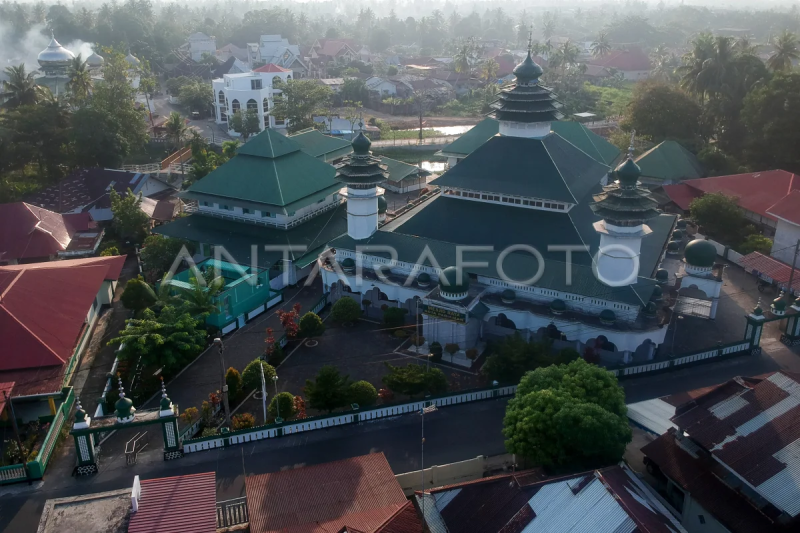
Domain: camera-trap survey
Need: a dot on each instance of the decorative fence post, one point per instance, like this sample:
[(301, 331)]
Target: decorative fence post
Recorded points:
[(84, 442), (169, 426), (755, 325)]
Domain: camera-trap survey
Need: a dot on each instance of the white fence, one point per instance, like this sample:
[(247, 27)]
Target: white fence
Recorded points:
[(342, 419), (692, 358)]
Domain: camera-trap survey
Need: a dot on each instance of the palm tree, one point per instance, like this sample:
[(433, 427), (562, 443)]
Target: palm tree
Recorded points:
[(489, 70), (709, 67), (548, 28), (80, 81), (601, 46), (461, 61), (201, 298), (744, 45), (176, 129), (664, 67), (20, 88), (787, 50)]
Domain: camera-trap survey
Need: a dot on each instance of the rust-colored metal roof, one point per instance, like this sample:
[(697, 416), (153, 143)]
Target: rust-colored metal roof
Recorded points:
[(359, 493), (180, 504)]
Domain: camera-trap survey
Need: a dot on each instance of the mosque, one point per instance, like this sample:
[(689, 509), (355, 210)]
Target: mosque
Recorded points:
[(530, 234)]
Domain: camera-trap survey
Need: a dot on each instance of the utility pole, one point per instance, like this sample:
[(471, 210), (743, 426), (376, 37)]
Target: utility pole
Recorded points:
[(223, 386), (794, 259), (22, 458), (263, 392), (277, 402)]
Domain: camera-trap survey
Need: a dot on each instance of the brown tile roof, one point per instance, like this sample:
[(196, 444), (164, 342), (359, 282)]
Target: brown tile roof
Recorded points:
[(176, 505), (692, 474), (359, 493), (405, 520), (84, 187), (29, 232)]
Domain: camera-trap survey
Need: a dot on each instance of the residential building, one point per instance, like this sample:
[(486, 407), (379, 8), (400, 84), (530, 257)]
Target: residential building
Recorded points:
[(633, 64), (331, 51), (47, 313), (522, 178), (87, 190), (359, 494), (668, 162), (755, 192), (577, 134), (179, 504), (727, 458), (787, 228), (334, 84), (609, 499), (381, 86), (231, 50), (30, 234), (271, 193), (201, 45), (274, 49), (250, 91)]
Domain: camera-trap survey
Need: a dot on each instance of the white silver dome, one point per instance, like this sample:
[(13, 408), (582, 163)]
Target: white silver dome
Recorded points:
[(95, 60), (55, 56), (131, 59)]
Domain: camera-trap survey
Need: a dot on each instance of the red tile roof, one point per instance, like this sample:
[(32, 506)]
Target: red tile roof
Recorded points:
[(756, 191), (787, 208), (29, 232), (694, 476), (176, 505), (405, 520), (360, 493), (625, 60), (43, 308), (770, 267), (271, 67)]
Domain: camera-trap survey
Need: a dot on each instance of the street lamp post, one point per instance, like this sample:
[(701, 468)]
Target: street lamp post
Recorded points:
[(223, 386), (277, 401)]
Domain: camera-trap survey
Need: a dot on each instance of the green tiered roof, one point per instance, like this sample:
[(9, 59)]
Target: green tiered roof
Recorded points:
[(625, 203), (526, 100), (361, 167)]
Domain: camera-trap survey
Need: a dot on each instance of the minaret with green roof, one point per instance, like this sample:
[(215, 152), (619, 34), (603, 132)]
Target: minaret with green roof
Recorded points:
[(362, 173), (625, 208), (526, 108)]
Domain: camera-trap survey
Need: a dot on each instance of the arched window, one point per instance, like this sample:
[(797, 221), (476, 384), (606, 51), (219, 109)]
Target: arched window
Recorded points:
[(252, 104), (235, 106), (221, 98), (265, 104), (288, 77)]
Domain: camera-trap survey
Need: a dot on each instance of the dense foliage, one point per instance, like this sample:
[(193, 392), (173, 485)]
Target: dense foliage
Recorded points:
[(415, 379), (329, 390)]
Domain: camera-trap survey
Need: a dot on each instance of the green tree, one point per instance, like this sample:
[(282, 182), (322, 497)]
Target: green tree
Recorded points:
[(283, 403), (159, 252), (363, 393), (245, 123), (755, 243), (234, 382), (300, 101), (201, 296), (96, 139), (129, 221), (138, 295), (20, 88), (391, 70), (513, 356), (176, 129), (229, 149), (168, 341), (354, 90), (720, 216), (80, 81), (251, 377), (346, 310), (394, 317), (414, 379), (329, 390), (380, 40), (660, 112), (770, 117), (311, 325), (196, 95), (787, 50), (568, 416)]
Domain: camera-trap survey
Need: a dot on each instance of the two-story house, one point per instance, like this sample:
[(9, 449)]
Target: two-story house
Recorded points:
[(277, 50), (201, 44), (254, 90)]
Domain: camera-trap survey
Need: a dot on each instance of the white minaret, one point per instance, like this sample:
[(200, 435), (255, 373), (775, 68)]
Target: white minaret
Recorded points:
[(526, 109), (625, 208), (362, 172)]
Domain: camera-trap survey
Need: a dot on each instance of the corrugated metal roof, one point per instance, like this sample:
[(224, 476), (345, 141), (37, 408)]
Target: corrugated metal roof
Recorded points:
[(359, 493), (176, 505)]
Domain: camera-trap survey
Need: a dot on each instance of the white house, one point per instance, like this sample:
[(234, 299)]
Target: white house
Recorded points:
[(250, 90), (381, 86), (787, 231), (277, 50), (199, 44)]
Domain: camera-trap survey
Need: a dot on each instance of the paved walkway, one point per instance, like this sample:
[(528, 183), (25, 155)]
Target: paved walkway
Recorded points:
[(192, 386)]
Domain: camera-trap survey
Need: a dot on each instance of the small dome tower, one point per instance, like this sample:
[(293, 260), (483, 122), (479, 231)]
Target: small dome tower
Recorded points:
[(362, 172)]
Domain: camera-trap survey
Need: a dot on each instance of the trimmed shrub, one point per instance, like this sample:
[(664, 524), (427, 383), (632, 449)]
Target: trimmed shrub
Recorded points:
[(472, 354), (234, 382), (286, 402), (436, 351), (346, 310), (417, 340), (251, 377), (242, 421), (451, 348), (400, 333), (311, 325), (394, 317), (362, 393)]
